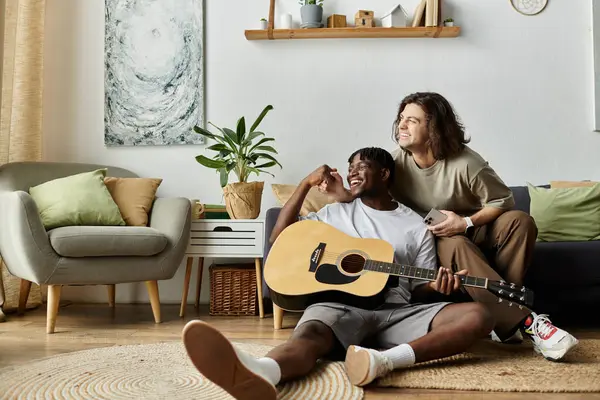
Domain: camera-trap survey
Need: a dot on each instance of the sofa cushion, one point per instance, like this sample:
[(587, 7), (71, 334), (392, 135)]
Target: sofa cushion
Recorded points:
[(80, 199), (97, 241), (566, 214), (134, 196)]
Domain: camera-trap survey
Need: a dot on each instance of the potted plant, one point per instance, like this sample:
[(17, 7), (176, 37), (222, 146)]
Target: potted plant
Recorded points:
[(243, 153), (312, 13), (264, 24), (448, 22)]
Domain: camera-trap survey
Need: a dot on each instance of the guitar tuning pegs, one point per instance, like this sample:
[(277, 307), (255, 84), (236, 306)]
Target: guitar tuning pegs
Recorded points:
[(520, 307), (499, 300), (522, 298), (523, 289), (512, 285), (511, 295), (502, 282), (510, 304)]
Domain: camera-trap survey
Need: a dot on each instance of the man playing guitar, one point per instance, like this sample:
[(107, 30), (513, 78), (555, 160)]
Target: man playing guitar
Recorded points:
[(409, 329)]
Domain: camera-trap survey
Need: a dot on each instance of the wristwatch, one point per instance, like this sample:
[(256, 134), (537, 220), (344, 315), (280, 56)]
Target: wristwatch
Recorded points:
[(469, 224)]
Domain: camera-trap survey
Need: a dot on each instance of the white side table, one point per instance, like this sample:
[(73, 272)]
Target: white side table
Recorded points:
[(224, 238)]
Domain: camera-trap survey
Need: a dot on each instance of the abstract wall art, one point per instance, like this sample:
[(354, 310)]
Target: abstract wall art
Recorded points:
[(154, 72)]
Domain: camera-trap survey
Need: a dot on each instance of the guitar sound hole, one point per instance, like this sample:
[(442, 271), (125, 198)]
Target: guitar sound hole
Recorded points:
[(353, 263)]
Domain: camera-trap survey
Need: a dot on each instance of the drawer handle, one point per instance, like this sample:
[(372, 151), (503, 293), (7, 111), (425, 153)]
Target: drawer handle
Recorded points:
[(223, 229)]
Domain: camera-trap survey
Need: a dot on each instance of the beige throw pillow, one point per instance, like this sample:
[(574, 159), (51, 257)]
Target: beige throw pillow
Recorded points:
[(134, 197), (313, 202), (570, 184)]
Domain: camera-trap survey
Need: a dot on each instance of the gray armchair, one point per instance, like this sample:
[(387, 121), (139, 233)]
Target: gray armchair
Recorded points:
[(85, 255)]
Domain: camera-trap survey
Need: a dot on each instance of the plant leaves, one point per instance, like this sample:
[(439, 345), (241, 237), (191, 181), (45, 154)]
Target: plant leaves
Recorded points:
[(226, 139), (261, 141), (224, 177), (261, 117), (251, 137), (210, 163), (266, 165), (220, 147), (208, 134), (267, 148), (241, 130), (232, 135), (268, 157)]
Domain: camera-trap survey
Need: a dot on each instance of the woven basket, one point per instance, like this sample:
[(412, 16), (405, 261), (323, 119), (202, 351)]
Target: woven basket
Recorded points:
[(233, 289)]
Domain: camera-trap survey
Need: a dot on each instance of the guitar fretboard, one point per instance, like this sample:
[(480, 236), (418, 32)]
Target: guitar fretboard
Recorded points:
[(419, 273)]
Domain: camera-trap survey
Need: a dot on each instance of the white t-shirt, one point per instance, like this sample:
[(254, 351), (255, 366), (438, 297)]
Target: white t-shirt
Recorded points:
[(403, 228)]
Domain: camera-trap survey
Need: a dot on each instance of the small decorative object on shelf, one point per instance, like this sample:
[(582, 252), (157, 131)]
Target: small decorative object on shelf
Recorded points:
[(286, 21), (396, 18), (264, 24), (237, 152), (448, 22), (364, 19), (336, 21), (311, 13), (529, 7)]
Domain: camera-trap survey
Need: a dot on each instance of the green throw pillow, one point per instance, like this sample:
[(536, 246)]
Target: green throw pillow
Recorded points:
[(566, 214), (81, 199)]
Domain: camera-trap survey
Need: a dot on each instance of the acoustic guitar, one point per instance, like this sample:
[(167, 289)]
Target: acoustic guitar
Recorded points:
[(312, 262)]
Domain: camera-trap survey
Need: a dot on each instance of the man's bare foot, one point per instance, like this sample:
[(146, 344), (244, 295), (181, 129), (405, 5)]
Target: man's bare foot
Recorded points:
[(216, 358)]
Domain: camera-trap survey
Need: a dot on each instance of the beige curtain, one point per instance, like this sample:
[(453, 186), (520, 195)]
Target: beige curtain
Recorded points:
[(22, 30)]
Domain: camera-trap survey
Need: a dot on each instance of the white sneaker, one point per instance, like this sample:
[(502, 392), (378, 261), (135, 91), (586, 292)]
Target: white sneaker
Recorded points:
[(548, 340), (364, 365), (516, 338), (219, 361)]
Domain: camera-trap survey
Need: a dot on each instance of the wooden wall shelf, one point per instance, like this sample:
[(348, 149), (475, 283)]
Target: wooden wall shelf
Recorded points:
[(346, 33)]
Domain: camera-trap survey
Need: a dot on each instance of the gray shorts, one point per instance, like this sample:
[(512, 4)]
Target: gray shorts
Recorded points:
[(382, 328)]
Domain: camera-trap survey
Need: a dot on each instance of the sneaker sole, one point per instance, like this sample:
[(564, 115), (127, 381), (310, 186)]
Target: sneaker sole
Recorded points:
[(557, 355), (357, 365), (214, 356)]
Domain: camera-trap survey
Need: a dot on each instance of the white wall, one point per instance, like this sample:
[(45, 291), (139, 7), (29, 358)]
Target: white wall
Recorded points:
[(522, 85)]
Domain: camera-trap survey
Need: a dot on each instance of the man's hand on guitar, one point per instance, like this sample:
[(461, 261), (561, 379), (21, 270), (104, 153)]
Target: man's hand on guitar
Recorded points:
[(446, 282)]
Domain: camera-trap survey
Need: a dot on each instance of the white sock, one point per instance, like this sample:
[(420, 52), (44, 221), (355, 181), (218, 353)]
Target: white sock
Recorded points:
[(265, 367), (400, 356), (272, 370)]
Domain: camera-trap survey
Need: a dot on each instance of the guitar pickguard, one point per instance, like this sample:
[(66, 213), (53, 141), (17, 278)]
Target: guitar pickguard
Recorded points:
[(330, 274)]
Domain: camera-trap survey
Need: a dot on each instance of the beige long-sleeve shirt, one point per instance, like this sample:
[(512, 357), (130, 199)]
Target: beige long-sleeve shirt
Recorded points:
[(463, 184)]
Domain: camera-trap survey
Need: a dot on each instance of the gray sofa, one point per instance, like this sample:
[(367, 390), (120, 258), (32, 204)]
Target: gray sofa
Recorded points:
[(565, 276), (86, 255)]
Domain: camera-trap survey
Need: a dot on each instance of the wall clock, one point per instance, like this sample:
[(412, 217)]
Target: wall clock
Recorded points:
[(529, 7)]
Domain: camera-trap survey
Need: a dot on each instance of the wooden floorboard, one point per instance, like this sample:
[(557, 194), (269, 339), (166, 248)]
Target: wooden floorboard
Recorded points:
[(81, 327)]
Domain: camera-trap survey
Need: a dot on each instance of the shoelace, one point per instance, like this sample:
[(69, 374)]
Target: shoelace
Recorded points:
[(541, 326), (384, 364)]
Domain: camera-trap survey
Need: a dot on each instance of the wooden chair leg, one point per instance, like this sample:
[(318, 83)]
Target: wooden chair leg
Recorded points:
[(261, 310), (186, 286), (277, 317), (152, 287), (23, 296), (111, 295), (52, 305)]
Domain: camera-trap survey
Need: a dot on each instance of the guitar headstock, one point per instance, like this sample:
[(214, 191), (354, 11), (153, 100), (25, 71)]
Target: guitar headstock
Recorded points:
[(511, 292)]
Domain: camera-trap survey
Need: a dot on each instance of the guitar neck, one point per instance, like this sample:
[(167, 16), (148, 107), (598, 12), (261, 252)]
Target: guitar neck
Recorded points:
[(426, 274)]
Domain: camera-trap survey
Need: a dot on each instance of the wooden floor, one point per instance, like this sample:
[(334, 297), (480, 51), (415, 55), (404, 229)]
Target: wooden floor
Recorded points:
[(81, 327)]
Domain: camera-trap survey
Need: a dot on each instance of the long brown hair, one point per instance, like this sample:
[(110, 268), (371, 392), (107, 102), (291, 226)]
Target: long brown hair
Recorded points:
[(446, 132)]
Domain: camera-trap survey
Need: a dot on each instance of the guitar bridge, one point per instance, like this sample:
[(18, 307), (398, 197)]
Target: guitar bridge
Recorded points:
[(315, 257)]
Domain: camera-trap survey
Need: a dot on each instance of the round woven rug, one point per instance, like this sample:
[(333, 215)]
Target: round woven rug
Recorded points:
[(152, 371), (491, 366)]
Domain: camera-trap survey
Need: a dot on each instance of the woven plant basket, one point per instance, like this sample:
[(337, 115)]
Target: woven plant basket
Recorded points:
[(11, 286), (233, 289), (243, 199)]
